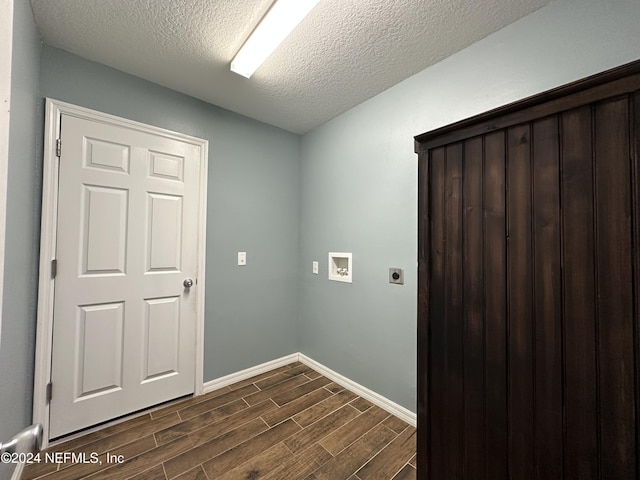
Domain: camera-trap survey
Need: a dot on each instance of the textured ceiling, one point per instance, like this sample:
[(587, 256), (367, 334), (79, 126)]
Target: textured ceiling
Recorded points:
[(344, 51)]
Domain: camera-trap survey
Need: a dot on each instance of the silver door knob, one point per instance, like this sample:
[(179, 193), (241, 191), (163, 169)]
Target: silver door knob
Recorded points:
[(188, 283), (28, 440)]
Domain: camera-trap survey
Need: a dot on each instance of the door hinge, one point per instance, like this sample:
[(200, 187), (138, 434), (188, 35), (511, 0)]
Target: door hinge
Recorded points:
[(54, 268), (58, 147), (49, 391)]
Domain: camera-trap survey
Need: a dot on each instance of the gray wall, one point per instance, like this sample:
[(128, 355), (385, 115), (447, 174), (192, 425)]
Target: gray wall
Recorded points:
[(359, 179), (23, 229), (251, 312)]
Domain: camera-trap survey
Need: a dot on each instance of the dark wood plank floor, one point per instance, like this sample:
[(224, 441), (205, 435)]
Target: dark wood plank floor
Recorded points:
[(287, 424)]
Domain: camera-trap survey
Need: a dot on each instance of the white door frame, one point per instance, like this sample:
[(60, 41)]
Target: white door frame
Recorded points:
[(44, 335), (6, 46)]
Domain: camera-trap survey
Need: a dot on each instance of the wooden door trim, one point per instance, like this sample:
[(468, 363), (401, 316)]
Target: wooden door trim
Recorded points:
[(617, 81), (424, 240), (54, 110)]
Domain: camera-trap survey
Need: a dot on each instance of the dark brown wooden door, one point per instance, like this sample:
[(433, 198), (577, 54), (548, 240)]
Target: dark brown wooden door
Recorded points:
[(529, 288)]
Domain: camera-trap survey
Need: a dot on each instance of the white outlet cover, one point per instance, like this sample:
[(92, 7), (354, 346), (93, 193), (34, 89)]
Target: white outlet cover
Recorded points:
[(314, 267), (242, 258)]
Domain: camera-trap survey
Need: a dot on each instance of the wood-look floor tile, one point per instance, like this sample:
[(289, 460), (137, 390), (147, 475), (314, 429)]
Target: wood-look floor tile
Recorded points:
[(414, 461), (130, 435), (210, 432), (196, 473), (350, 432), (257, 378), (279, 378), (143, 462), (260, 465), (395, 424), (302, 368), (210, 449), (72, 444), (323, 427), (295, 406), (390, 460), (312, 374), (185, 402), (215, 402), (74, 471), (154, 473), (333, 387), (290, 395), (248, 449), (300, 466), (407, 473), (36, 470), (267, 393), (315, 413), (202, 420), (347, 462), (291, 423), (362, 404)]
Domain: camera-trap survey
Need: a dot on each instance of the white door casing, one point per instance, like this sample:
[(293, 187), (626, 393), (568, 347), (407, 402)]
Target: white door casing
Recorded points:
[(6, 45), (129, 230)]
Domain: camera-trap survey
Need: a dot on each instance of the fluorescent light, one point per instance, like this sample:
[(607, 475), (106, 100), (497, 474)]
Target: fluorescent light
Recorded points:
[(277, 24)]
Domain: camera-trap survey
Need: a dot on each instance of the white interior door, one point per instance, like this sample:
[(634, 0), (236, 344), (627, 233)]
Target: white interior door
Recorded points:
[(127, 239)]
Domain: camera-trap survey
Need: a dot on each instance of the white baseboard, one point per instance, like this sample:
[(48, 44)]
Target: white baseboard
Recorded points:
[(248, 373), (375, 398)]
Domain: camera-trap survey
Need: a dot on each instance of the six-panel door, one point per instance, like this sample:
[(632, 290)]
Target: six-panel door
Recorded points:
[(124, 323)]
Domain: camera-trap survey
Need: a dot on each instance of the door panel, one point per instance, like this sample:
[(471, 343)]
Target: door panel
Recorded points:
[(547, 291), (162, 334), (579, 296), (472, 316), (100, 332), (615, 307), (104, 242), (106, 155), (124, 324), (453, 298), (164, 232), (529, 320), (520, 302)]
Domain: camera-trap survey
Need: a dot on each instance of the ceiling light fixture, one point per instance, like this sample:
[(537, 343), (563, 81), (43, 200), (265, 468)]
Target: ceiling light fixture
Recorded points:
[(277, 24)]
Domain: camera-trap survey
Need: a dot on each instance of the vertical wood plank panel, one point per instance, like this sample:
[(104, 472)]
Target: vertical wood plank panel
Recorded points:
[(437, 311), (424, 241), (453, 320), (614, 280), (579, 306), (496, 434), (534, 327), (547, 288), (520, 304), (635, 190), (473, 288)]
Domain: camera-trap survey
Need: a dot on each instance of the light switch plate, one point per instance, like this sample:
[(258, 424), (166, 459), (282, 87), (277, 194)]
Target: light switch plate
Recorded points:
[(396, 275), (242, 258)]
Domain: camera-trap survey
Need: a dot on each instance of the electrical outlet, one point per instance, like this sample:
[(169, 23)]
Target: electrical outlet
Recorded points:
[(315, 267), (242, 258), (396, 275)]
